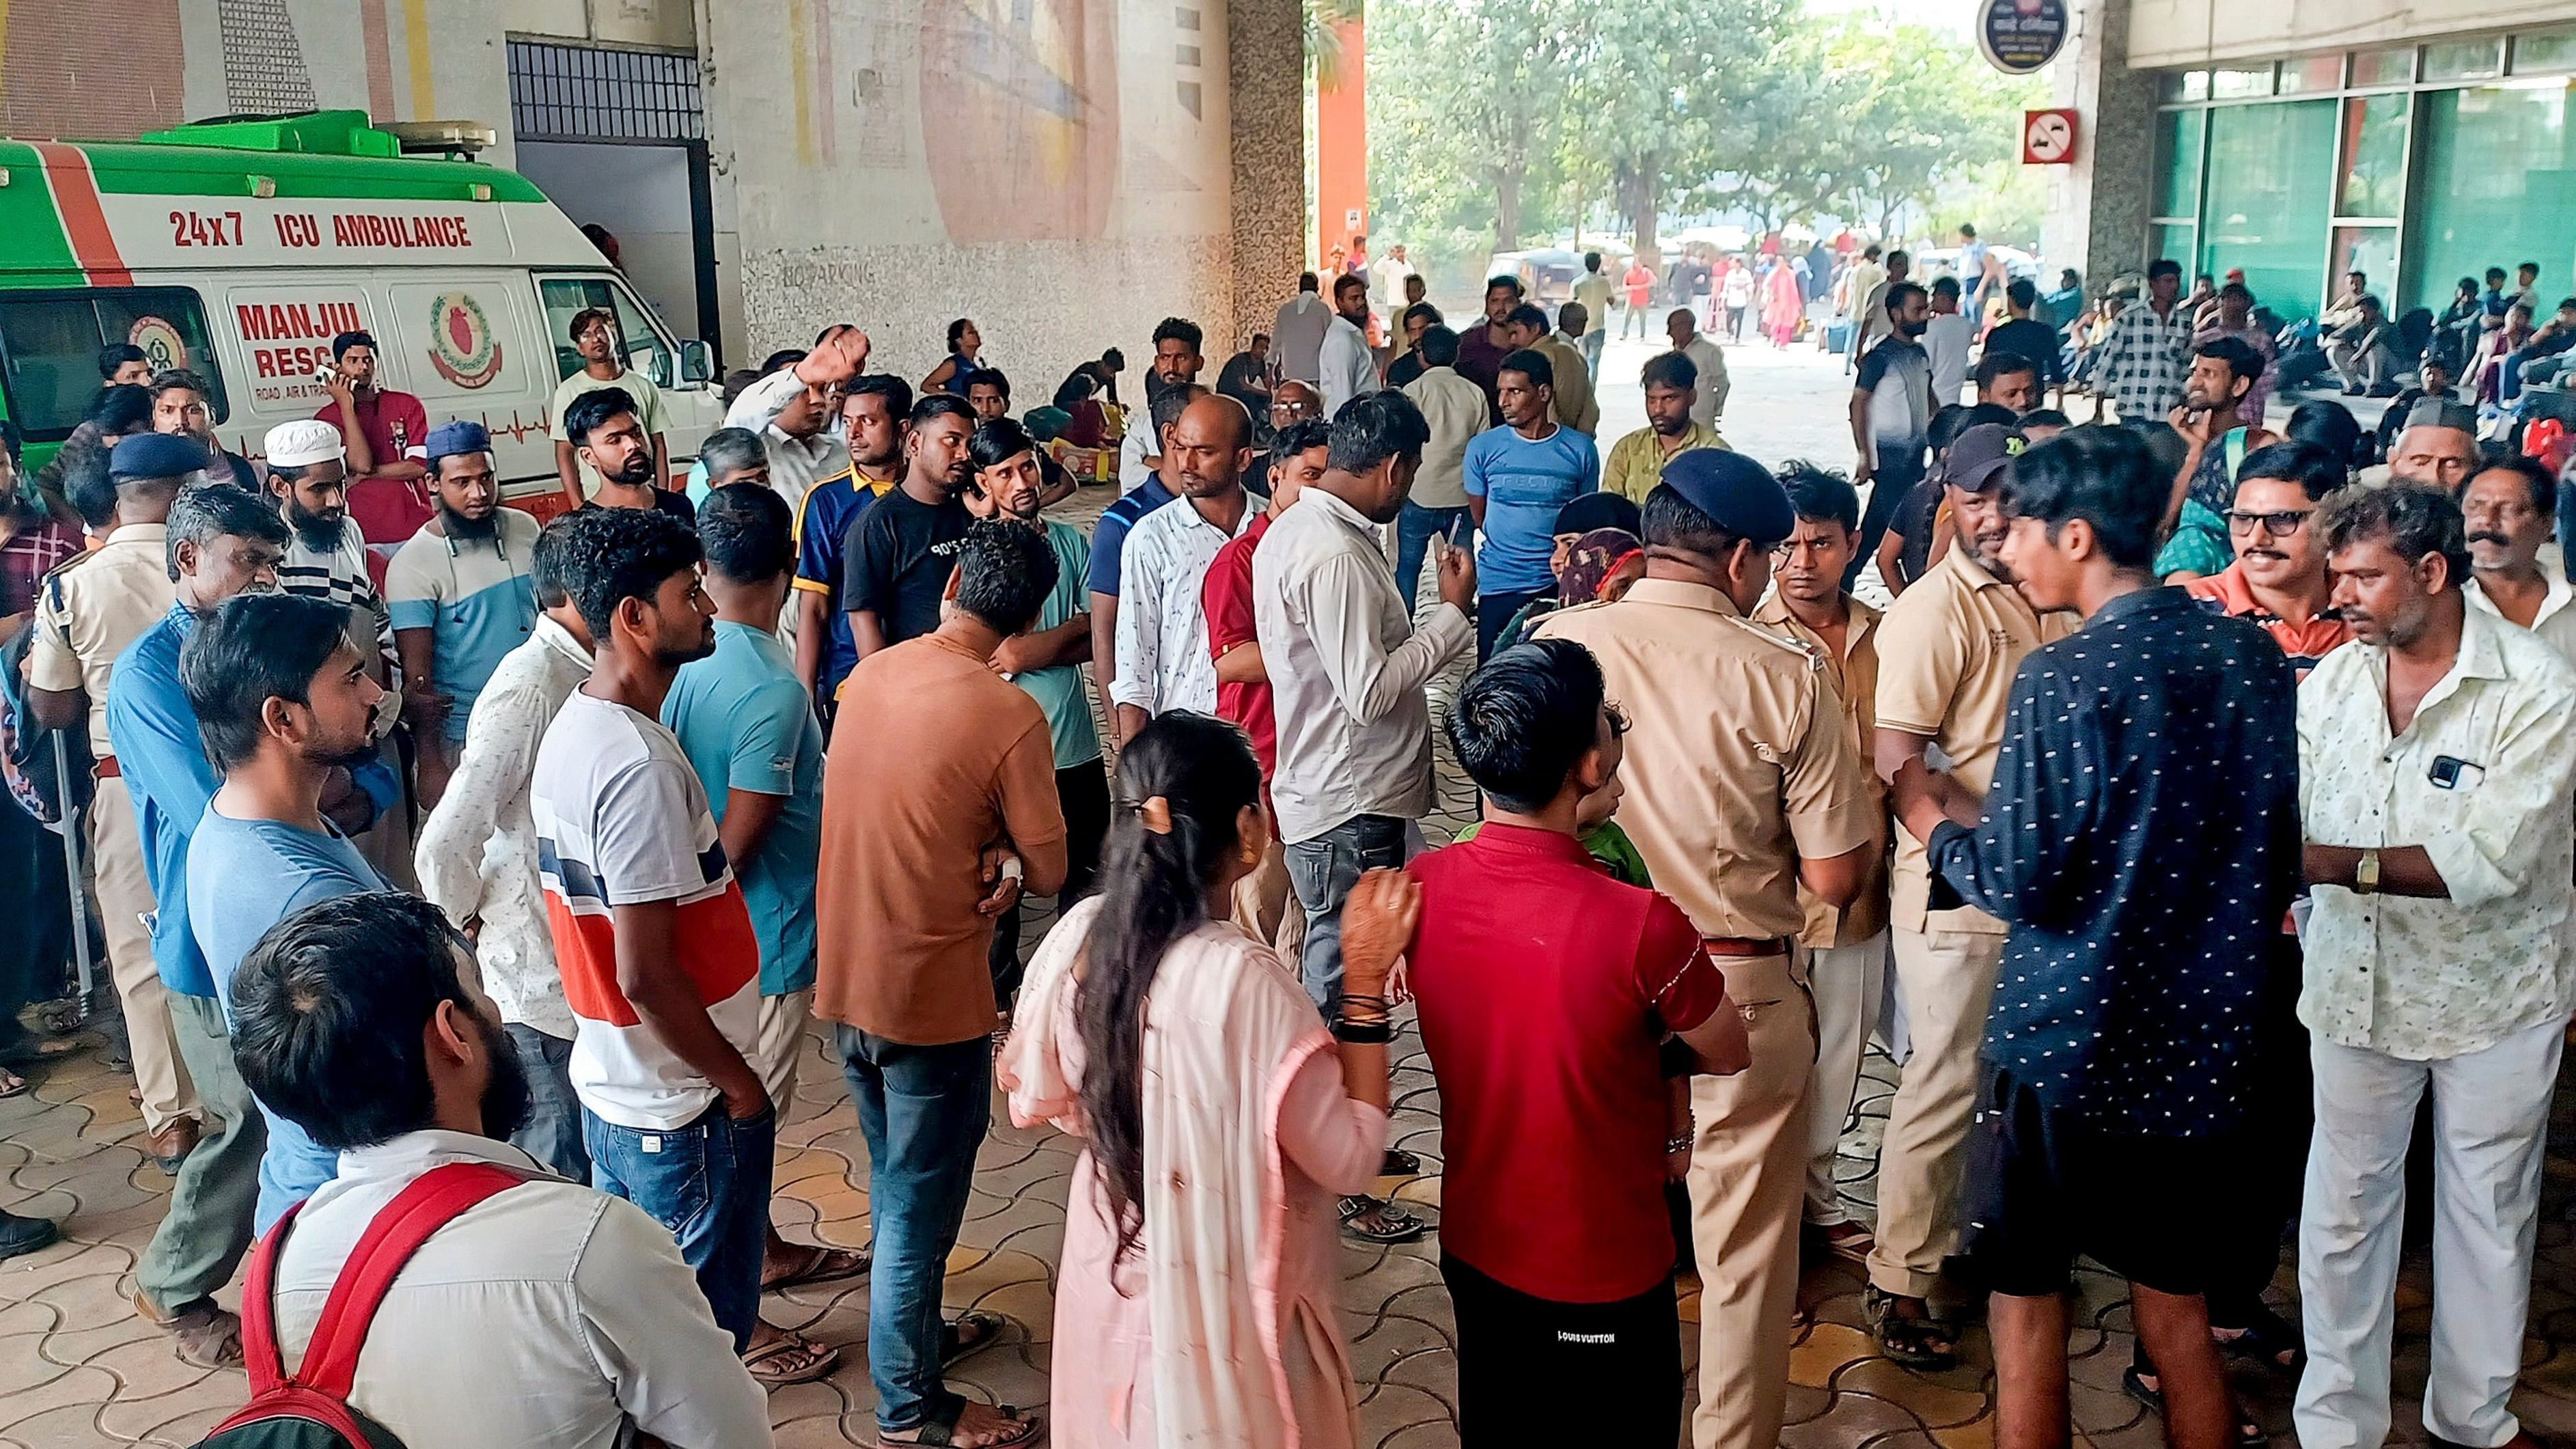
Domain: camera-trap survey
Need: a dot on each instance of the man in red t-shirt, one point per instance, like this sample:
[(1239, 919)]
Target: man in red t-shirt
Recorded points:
[(1263, 905), (1638, 286), (388, 449), (1547, 990)]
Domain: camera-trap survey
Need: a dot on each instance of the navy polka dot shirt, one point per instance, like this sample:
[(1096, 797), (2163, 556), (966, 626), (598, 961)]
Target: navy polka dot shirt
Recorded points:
[(2141, 840)]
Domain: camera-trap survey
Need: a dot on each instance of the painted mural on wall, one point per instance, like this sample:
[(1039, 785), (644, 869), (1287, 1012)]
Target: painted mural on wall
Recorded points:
[(1020, 116)]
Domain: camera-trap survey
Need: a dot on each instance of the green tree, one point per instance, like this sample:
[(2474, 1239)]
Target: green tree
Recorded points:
[(1654, 90), (1464, 108)]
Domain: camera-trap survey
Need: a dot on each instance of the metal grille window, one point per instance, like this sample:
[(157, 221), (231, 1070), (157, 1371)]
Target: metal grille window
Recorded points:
[(588, 93)]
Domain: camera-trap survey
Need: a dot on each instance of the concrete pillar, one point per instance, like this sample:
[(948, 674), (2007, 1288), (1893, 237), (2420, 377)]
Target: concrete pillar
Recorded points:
[(2098, 207), (1266, 69)]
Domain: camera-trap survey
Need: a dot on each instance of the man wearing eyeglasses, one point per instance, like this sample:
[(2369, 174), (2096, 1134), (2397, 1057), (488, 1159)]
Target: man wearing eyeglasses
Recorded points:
[(2278, 581)]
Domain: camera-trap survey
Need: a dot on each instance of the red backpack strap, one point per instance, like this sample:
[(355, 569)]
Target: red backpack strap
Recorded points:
[(259, 1309), (434, 1199)]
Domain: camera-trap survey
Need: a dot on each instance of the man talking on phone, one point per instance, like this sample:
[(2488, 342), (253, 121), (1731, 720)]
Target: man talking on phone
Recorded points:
[(388, 446)]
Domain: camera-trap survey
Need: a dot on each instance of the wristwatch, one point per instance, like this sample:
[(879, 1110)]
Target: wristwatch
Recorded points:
[(2365, 875)]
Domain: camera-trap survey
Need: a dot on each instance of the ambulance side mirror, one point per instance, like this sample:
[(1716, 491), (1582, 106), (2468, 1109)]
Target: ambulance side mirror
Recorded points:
[(697, 362)]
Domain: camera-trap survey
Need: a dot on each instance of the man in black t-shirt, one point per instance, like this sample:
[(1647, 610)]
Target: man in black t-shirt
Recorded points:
[(2024, 337), (900, 553)]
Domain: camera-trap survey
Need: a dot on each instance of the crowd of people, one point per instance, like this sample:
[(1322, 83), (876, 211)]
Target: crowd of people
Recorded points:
[(485, 883)]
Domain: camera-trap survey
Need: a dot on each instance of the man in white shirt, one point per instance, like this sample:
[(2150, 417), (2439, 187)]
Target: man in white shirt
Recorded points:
[(1946, 340), (1163, 658), (1708, 397), (2436, 757), (1348, 367), (477, 856), (2510, 509), (1386, 281), (548, 1313), (1176, 364), (797, 410), (1297, 333), (1346, 669)]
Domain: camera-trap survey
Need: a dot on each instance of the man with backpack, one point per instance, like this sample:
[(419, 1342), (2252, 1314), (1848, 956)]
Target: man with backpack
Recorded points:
[(507, 1306)]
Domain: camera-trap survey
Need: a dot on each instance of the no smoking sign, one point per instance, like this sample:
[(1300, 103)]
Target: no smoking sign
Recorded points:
[(2048, 137)]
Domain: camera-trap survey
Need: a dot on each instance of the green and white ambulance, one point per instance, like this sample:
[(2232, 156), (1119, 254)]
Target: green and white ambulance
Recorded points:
[(239, 248)]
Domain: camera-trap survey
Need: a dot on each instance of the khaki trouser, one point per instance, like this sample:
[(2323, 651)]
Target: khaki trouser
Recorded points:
[(1949, 980), (124, 900), (1848, 982), (1748, 1175), (1267, 910)]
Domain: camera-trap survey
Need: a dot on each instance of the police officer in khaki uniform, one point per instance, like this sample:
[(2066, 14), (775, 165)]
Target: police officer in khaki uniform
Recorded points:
[(86, 613), (1947, 651), (1743, 785)]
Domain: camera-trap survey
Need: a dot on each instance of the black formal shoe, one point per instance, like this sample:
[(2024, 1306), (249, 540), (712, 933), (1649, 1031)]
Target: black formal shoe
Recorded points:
[(24, 1235)]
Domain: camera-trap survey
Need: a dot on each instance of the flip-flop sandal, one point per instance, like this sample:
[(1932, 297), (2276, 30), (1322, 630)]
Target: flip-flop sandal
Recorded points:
[(2250, 1434), (206, 1336), (37, 1051), (823, 1265), (968, 1334), (12, 1084), (817, 1361), (1400, 1226), (934, 1432), (61, 1017), (1915, 1343), (1399, 1163)]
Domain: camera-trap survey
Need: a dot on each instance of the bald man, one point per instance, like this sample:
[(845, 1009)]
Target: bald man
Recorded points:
[(1162, 650), (1291, 402)]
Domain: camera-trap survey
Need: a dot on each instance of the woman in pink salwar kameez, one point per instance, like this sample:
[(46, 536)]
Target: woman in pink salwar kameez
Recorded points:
[(1195, 1295), (1783, 307)]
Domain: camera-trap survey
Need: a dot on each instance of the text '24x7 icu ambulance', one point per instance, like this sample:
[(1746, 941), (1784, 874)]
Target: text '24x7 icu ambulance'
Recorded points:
[(239, 248)]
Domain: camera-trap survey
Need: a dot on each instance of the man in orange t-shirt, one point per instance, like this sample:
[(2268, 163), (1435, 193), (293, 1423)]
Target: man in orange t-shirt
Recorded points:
[(939, 808)]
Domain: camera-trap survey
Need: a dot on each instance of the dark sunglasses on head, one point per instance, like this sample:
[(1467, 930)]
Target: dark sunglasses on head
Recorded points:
[(2279, 525)]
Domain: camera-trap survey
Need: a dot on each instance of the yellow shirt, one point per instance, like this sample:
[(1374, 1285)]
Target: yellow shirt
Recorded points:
[(1947, 651), (1636, 464), (1855, 678), (1738, 761)]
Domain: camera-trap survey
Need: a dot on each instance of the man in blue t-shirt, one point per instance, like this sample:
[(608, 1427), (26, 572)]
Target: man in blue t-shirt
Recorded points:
[(282, 701), (748, 727), (1517, 476), (222, 541)]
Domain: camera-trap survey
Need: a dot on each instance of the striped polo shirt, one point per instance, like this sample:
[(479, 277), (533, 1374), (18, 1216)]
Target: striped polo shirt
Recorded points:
[(622, 820)]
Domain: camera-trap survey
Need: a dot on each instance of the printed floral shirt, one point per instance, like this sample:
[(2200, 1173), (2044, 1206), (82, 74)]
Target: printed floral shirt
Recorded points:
[(2429, 979)]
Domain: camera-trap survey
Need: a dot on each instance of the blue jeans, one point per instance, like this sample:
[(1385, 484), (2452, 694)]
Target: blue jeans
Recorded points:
[(924, 1110), (1322, 872), (708, 1182), (1413, 530), (553, 1132)]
